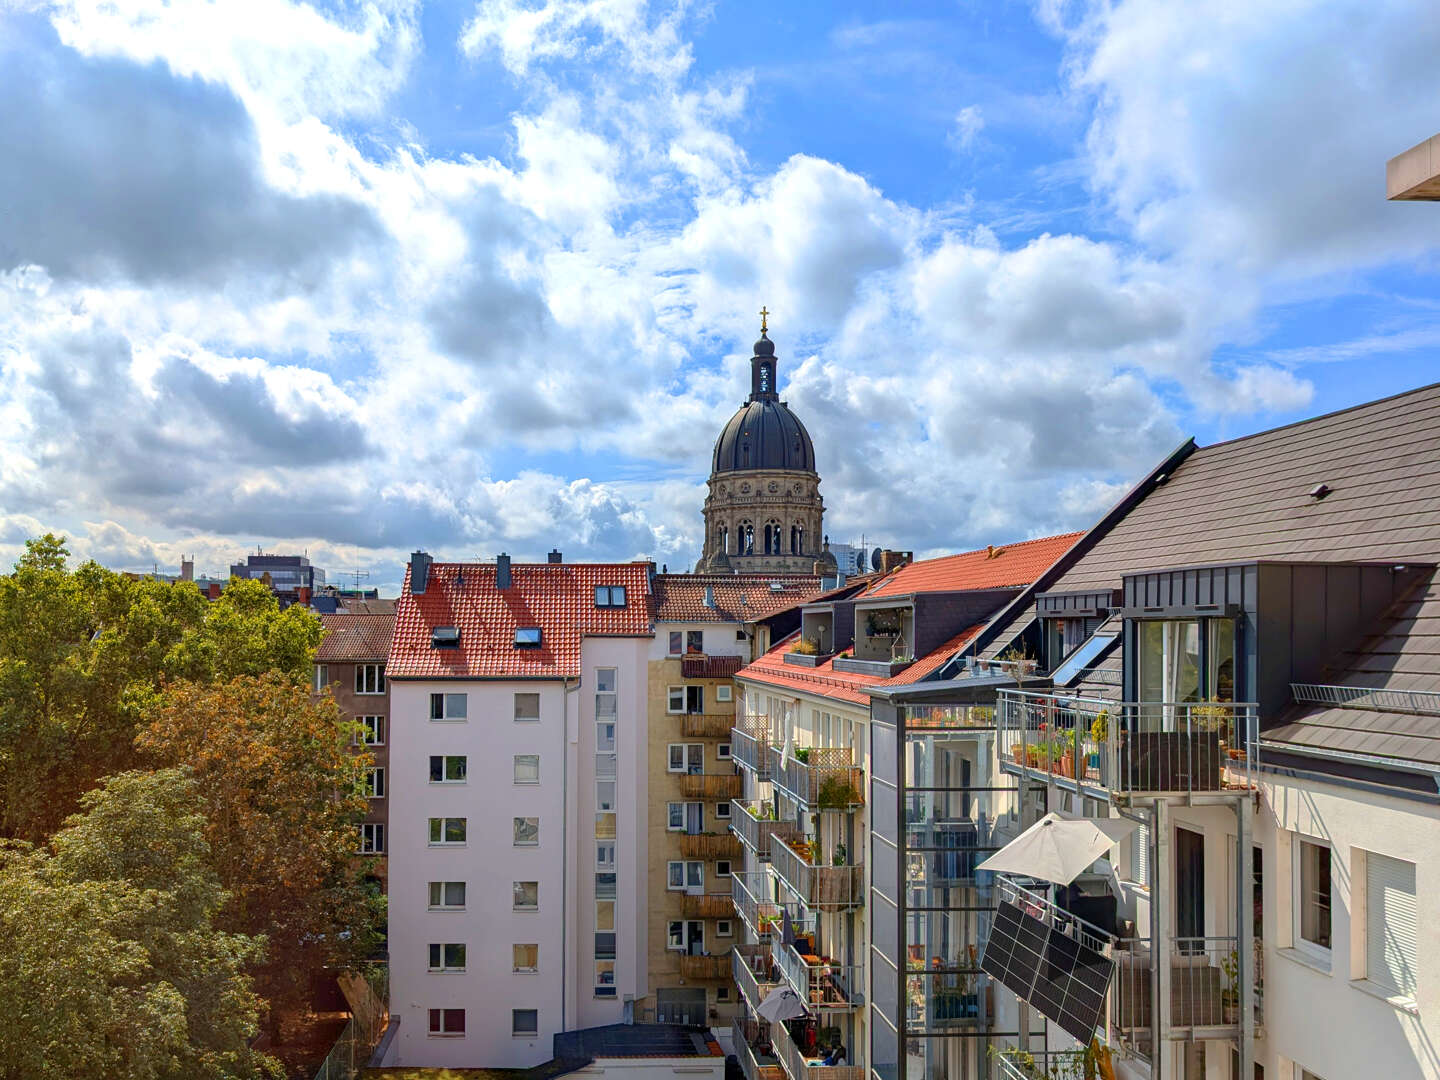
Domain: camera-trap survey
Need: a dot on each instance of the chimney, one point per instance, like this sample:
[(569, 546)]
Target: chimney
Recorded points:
[(419, 573), (555, 556), (893, 560), (502, 571), (710, 596)]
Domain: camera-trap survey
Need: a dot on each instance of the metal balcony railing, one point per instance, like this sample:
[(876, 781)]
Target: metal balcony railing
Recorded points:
[(706, 968), (750, 745), (798, 1067), (820, 983), (1424, 702), (751, 895), (707, 905), (826, 779), (823, 888), (1129, 748), (710, 846), (754, 972), (747, 1035), (712, 785), (1013, 1064), (757, 832)]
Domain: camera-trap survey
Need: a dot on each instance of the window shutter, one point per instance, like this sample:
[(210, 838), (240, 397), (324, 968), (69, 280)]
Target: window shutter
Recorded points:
[(1140, 855), (1391, 922)]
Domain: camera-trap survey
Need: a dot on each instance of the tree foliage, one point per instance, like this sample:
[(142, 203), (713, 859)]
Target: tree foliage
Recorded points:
[(283, 793), (111, 962), (85, 652)]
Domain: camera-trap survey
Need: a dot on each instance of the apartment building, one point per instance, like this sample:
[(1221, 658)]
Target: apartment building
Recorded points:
[(705, 631), (351, 662), (518, 806)]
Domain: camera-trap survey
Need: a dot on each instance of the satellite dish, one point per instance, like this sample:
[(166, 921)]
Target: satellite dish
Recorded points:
[(875, 558)]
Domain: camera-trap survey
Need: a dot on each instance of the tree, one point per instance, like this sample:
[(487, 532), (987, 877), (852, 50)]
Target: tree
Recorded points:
[(110, 961), (84, 654), (284, 793)]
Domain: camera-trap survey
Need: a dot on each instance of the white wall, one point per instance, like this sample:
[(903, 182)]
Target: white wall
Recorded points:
[(720, 639)]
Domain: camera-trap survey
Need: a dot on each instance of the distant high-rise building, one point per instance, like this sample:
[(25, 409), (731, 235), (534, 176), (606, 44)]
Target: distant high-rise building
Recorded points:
[(290, 577)]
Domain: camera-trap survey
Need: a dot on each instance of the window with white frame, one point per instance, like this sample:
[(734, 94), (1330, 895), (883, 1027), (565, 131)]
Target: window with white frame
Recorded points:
[(604, 978), (605, 795), (675, 934), (605, 946), (320, 675), (722, 867), (689, 876), (447, 831), (722, 752), (686, 817), (605, 855), (724, 928), (694, 700), (375, 782), (1392, 924), (524, 1022), (372, 731), (724, 692), (685, 757), (605, 915), (447, 1022), (694, 641), (451, 707), (605, 765), (447, 768), (1312, 896), (722, 993), (447, 896), (447, 957), (675, 700), (607, 701), (605, 735), (609, 595), (527, 768), (526, 896), (677, 642), (372, 838), (605, 886), (369, 678), (526, 831), (722, 811), (527, 707), (525, 959)]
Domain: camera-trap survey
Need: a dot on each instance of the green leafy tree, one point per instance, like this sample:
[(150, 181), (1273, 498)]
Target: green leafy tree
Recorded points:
[(111, 963)]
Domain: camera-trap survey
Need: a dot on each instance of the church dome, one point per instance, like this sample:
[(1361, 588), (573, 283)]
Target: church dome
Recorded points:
[(763, 434)]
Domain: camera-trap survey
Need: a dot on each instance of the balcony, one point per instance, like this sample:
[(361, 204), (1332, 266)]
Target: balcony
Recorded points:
[(707, 905), (705, 968), (799, 1067), (1011, 1064), (709, 846), (712, 785), (755, 831), (753, 972), (1128, 749), (706, 725), (750, 745), (820, 888), (750, 893), (818, 778), (823, 985), (757, 1064)]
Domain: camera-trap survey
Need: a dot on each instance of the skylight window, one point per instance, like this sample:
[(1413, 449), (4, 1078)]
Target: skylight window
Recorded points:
[(1084, 655), (445, 637), (609, 595), (527, 637)]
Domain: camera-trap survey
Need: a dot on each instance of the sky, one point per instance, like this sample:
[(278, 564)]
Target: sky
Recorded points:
[(360, 278)]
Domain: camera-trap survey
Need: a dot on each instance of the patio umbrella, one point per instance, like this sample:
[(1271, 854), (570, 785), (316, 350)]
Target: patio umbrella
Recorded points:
[(781, 1004), (1058, 849)]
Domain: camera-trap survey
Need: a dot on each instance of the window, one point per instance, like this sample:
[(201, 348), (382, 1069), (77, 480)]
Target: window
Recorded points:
[(527, 896), (685, 875), (525, 959), (605, 826), (695, 700), (722, 752), (685, 817), (372, 838), (1391, 923), (527, 706), (604, 946), (605, 795), (677, 642), (527, 768), (375, 783), (604, 978), (607, 703), (447, 830), (449, 706), (447, 896), (527, 831), (609, 595), (675, 700), (524, 1021), (447, 957), (447, 769), (675, 935), (722, 811), (722, 868), (686, 757), (1313, 896), (1140, 855), (605, 680), (369, 678), (724, 693), (447, 1022), (605, 886), (605, 736), (1187, 659), (372, 731), (724, 928), (527, 637), (445, 637), (695, 641), (605, 915), (605, 855), (722, 993), (321, 677), (605, 765)]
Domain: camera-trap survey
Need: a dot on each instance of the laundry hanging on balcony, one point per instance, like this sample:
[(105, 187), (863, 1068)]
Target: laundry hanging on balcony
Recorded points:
[(1058, 849)]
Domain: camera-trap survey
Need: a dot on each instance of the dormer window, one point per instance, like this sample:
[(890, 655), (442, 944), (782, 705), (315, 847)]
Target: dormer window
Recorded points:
[(527, 637), (610, 596), (445, 637)]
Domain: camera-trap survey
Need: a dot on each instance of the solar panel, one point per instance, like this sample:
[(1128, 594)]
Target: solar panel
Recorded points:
[(1060, 976)]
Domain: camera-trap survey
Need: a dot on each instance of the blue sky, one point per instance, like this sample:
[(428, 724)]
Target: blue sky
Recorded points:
[(483, 276)]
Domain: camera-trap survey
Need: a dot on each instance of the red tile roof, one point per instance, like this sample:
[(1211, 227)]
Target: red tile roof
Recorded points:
[(822, 680), (988, 568), (738, 597), (928, 665), (559, 598), (351, 638)]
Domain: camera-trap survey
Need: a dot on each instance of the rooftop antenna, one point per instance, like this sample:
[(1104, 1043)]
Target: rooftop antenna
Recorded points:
[(358, 574)]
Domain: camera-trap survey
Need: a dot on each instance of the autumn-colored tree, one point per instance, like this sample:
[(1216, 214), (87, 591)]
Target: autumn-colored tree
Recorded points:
[(283, 793), (110, 960), (84, 653)]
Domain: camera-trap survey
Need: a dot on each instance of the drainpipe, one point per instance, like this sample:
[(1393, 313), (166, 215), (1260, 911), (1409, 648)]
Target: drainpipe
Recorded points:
[(1245, 931), (565, 845), (1160, 900)]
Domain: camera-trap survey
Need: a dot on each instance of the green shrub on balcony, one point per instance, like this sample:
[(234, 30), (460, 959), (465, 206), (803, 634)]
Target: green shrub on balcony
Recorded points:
[(837, 793)]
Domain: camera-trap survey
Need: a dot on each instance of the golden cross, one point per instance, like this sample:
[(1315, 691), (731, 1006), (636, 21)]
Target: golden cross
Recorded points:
[(764, 314)]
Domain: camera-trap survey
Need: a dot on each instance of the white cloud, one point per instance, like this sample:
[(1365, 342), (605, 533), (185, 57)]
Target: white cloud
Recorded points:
[(969, 122)]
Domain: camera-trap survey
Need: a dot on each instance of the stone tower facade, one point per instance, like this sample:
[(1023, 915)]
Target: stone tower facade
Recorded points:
[(764, 512)]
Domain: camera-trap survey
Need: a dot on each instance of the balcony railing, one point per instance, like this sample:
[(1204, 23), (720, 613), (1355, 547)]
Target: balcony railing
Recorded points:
[(707, 905), (747, 1035), (706, 725), (709, 846), (750, 893), (750, 745), (707, 968), (1129, 748), (756, 832), (826, 780), (712, 785), (824, 888), (820, 983), (798, 1067), (1013, 1064), (948, 851), (753, 971)]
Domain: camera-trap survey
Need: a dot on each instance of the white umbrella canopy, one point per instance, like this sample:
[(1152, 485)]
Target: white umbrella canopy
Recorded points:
[(781, 1004), (1057, 848)]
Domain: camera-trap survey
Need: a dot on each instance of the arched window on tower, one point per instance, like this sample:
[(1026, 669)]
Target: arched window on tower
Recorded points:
[(797, 539), (745, 539), (722, 540), (772, 537)]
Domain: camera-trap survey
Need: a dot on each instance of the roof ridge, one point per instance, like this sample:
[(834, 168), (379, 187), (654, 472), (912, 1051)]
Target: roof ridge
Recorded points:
[(1323, 416)]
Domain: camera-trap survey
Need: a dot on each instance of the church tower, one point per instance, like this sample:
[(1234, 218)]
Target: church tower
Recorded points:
[(764, 512)]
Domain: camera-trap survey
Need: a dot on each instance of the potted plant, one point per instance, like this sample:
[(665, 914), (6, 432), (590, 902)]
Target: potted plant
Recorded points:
[(805, 647), (837, 793), (838, 856), (802, 754), (1065, 745), (1230, 994)]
